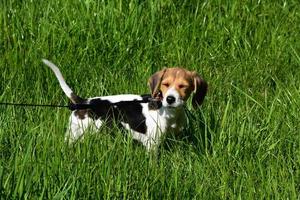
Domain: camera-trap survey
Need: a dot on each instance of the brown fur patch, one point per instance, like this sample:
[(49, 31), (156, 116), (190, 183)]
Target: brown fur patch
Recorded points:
[(82, 114), (184, 81), (76, 99), (179, 78)]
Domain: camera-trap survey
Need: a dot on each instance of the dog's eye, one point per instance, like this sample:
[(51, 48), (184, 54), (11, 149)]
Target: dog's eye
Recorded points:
[(166, 84), (182, 86)]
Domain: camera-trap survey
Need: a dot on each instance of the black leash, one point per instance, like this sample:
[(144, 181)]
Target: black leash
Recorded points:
[(35, 105), (71, 106), (153, 103)]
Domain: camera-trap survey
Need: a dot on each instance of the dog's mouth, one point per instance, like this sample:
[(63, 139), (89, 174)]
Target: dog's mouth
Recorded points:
[(174, 106), (171, 107)]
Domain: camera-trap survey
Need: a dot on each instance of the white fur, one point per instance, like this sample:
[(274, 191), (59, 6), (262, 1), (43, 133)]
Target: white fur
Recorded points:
[(160, 121), (116, 98)]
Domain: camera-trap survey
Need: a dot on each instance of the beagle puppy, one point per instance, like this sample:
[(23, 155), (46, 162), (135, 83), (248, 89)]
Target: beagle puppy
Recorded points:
[(147, 119)]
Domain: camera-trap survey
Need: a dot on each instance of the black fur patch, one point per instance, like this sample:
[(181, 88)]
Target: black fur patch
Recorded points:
[(129, 112)]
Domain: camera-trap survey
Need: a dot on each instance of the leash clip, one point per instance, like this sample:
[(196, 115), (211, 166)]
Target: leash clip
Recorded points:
[(154, 103)]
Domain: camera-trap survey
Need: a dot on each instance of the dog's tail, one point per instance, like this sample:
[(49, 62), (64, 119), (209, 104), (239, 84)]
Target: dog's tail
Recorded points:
[(67, 90)]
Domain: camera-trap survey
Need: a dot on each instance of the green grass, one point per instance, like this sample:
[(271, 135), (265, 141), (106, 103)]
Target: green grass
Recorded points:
[(246, 135)]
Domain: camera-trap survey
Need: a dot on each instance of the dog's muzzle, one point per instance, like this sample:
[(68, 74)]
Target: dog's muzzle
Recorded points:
[(172, 99)]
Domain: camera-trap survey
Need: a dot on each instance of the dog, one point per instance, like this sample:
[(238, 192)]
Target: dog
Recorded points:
[(146, 117)]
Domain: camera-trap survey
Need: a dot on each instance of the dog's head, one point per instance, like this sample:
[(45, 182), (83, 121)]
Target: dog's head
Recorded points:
[(176, 85)]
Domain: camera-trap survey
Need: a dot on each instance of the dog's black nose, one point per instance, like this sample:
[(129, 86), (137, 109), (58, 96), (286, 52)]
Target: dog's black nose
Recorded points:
[(170, 99)]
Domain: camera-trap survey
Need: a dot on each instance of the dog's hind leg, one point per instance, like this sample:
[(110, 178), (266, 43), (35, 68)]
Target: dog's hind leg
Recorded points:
[(76, 128)]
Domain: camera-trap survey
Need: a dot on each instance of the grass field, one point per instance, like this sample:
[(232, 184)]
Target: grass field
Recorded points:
[(246, 135)]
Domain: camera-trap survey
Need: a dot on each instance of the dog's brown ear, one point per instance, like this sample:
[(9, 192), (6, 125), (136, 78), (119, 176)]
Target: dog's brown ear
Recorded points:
[(200, 89), (155, 81)]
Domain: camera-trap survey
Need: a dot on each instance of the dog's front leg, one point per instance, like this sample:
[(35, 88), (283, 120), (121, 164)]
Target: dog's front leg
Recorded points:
[(154, 139), (140, 137), (147, 141)]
